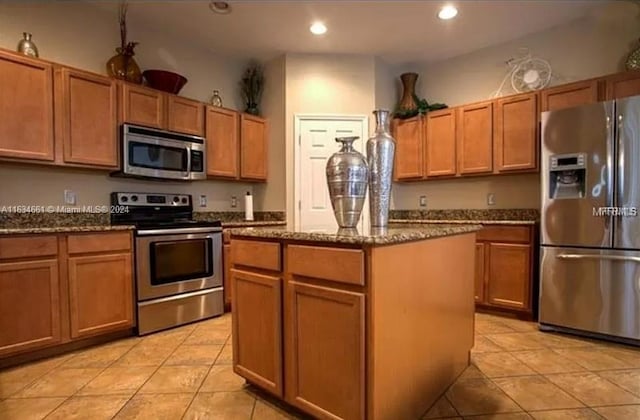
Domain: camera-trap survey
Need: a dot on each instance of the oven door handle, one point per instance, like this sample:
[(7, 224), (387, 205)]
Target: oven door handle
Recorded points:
[(181, 296), (152, 232)]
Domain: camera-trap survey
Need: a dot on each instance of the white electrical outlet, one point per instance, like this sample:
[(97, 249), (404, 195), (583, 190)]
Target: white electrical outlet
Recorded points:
[(203, 200), (491, 199), (234, 201), (70, 197), (423, 201)]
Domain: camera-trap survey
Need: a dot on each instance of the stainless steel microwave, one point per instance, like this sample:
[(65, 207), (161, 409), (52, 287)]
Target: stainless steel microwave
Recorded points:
[(148, 152)]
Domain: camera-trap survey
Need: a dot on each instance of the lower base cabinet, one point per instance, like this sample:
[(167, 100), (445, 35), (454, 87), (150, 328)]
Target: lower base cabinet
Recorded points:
[(55, 289), (256, 307), (326, 330)]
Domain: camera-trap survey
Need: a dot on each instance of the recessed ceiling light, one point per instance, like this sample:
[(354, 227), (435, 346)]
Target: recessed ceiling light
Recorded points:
[(221, 7), (447, 12), (318, 28)]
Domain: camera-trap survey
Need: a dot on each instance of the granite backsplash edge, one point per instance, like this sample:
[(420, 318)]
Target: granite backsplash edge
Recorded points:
[(466, 214)]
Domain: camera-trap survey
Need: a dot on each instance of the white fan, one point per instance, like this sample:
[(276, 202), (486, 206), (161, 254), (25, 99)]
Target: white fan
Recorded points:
[(527, 73)]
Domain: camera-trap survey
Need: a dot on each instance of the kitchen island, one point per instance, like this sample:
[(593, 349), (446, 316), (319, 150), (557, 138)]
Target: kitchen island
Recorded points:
[(349, 325)]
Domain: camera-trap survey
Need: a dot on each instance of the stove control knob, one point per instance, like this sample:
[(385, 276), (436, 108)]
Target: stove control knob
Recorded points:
[(134, 198), (184, 200), (176, 199), (124, 199)]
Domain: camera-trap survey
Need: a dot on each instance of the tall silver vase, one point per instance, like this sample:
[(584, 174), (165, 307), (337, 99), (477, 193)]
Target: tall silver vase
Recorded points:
[(380, 153), (347, 177)]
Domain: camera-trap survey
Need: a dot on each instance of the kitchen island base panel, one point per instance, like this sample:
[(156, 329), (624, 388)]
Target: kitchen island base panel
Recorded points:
[(421, 323)]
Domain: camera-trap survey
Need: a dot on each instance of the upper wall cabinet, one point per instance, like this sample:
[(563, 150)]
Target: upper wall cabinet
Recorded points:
[(441, 143), (475, 138), (222, 130), (26, 108), (409, 148), (86, 118), (142, 106), (516, 133), (569, 95), (253, 147), (185, 115), (623, 85)]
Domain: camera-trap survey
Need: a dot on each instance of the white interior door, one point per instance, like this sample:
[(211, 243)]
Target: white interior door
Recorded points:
[(316, 144)]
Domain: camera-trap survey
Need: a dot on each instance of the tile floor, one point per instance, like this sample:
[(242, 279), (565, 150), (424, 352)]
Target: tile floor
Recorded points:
[(517, 373)]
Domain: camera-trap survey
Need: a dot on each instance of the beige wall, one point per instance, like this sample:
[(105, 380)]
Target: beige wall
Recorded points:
[(83, 35), (588, 47), (328, 85), (271, 196)]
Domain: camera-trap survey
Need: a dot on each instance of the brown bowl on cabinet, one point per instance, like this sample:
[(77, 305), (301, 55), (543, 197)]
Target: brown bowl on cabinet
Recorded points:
[(165, 81)]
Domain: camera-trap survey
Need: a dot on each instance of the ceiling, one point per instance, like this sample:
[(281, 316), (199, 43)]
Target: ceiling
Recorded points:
[(398, 31)]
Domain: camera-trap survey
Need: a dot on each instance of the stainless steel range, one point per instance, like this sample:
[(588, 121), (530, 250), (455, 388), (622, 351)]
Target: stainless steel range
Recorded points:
[(178, 260)]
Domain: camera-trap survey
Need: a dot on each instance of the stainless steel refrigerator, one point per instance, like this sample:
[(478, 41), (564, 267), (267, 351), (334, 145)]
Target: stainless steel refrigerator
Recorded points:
[(590, 227)]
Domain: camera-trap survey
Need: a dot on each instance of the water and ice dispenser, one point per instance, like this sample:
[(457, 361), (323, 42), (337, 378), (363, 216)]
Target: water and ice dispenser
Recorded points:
[(567, 176)]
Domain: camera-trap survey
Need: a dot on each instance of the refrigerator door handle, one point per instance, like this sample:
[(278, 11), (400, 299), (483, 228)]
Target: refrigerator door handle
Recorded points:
[(597, 257), (620, 177)]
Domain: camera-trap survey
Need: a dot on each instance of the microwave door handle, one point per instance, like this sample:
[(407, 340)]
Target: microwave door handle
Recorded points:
[(188, 162)]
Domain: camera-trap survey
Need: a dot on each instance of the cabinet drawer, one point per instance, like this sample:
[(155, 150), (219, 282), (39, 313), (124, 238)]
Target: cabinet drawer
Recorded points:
[(265, 255), (337, 264), (99, 242), (505, 234), (28, 246)]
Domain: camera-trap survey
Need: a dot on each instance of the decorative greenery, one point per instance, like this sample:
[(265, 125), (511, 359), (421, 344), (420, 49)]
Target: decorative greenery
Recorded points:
[(252, 86), (126, 48), (423, 108)]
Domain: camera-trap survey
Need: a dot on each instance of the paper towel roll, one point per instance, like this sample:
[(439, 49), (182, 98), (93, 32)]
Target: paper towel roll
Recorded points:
[(248, 206)]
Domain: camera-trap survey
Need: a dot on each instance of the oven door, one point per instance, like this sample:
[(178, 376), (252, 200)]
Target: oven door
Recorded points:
[(169, 264), (156, 158)]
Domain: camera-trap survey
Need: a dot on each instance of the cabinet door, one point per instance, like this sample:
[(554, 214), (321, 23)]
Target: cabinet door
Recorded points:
[(100, 294), (516, 133), (325, 356), (29, 305), (222, 132), (142, 106), (226, 254), (26, 108), (185, 116), (441, 143), (86, 118), (253, 148), (480, 272), (509, 280), (569, 95), (475, 138), (409, 138), (623, 85), (257, 329)]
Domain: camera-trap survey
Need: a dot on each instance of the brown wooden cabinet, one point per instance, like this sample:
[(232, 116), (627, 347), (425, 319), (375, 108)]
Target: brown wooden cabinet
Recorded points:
[(623, 85), (100, 293), (26, 108), (409, 158), (326, 332), (504, 268), (142, 106), (441, 143), (86, 118), (185, 115), (257, 325), (222, 131), (254, 135), (570, 95), (29, 305), (516, 133), (475, 138)]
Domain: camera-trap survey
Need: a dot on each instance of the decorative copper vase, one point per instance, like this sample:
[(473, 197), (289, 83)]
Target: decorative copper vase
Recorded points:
[(408, 100), (123, 66)]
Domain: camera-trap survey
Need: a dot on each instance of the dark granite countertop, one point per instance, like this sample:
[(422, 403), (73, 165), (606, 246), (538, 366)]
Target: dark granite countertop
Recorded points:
[(61, 229), (394, 234), (246, 223), (465, 222)]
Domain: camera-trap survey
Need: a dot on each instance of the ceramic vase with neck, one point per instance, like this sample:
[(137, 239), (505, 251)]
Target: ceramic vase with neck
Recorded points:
[(26, 46), (380, 153), (123, 66), (347, 178)]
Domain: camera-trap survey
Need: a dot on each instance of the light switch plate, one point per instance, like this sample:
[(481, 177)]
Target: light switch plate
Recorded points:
[(491, 199), (70, 197), (234, 201), (203, 200), (423, 201)]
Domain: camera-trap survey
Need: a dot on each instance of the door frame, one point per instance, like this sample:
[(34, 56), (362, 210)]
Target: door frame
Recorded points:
[(297, 135)]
